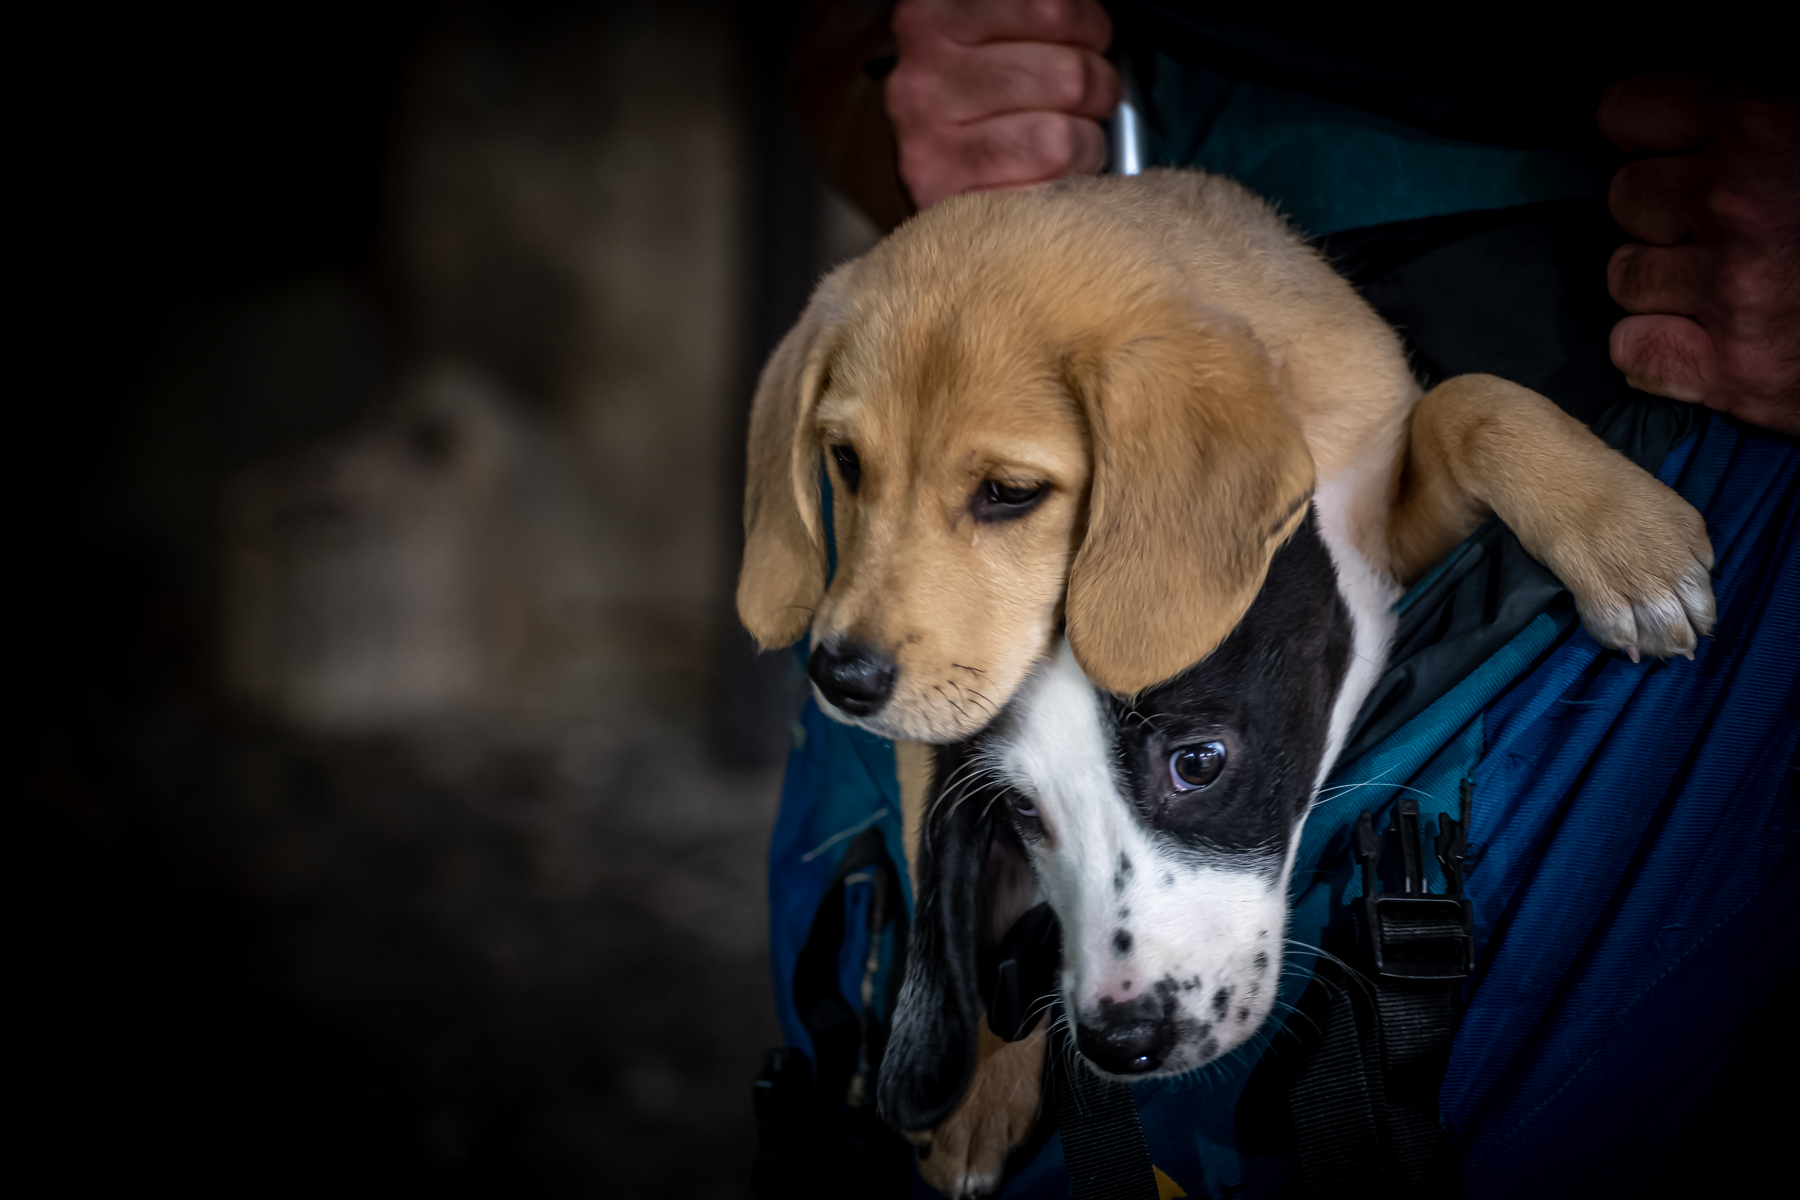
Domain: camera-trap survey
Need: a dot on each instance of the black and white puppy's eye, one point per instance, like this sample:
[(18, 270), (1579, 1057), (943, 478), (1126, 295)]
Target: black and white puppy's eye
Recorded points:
[(1194, 767), (997, 501), (848, 465), (1022, 806)]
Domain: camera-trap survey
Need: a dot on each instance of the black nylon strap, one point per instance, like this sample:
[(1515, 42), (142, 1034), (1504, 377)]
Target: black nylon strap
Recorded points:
[(1103, 1143), (1415, 1022), (1364, 1100), (1333, 1110)]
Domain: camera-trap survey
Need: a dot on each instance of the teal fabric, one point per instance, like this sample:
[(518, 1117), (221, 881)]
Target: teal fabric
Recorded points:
[(1332, 167), (1429, 758), (839, 782), (1329, 167)]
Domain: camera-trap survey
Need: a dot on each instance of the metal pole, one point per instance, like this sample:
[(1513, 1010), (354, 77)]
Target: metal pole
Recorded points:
[(1126, 137)]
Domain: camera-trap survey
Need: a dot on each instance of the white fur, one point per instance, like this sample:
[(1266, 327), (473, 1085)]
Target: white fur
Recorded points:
[(1208, 927), (1198, 924), (1368, 594)]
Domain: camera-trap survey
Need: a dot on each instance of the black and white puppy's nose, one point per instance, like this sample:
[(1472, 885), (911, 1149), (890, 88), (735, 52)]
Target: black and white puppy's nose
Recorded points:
[(1124, 1041), (852, 676)]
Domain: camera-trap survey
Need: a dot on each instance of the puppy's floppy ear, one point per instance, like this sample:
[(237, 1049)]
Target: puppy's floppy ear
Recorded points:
[(932, 1049), (783, 575), (1199, 475)]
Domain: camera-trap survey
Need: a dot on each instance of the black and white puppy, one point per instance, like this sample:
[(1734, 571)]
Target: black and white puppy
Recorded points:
[(1161, 830)]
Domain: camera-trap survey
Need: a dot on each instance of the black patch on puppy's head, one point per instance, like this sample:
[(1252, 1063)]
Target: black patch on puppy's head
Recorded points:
[(1266, 695)]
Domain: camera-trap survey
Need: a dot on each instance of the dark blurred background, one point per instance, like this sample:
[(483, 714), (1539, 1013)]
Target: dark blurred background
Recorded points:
[(391, 780)]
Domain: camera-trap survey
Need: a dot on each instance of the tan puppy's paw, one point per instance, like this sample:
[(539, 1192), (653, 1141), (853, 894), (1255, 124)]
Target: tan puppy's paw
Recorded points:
[(1635, 554), (1638, 562), (965, 1156)]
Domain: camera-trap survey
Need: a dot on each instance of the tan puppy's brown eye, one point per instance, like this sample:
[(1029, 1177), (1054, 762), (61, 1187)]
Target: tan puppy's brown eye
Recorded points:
[(849, 466), (996, 501)]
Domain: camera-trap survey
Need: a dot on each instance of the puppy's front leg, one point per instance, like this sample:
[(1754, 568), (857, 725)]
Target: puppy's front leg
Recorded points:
[(915, 763), (1635, 554), (966, 1154)]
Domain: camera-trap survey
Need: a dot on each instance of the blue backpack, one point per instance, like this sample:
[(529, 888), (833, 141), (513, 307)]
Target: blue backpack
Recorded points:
[(1619, 837)]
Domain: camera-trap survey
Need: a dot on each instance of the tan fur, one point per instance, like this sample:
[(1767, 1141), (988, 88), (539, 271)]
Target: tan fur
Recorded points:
[(915, 765), (1481, 445), (1199, 473), (1036, 339), (966, 1153), (1156, 350), (784, 554), (1181, 371)]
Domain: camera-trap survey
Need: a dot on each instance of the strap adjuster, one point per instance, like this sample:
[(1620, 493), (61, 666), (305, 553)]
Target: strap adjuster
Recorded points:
[(1414, 934)]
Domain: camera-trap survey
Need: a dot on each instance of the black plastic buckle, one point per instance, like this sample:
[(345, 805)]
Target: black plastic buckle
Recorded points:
[(1413, 934)]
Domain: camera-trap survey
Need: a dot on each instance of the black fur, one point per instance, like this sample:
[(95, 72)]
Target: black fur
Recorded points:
[(1266, 692), (931, 1051)]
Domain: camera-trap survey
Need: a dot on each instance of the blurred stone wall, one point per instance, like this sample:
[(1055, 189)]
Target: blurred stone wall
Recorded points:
[(385, 838), (529, 526)]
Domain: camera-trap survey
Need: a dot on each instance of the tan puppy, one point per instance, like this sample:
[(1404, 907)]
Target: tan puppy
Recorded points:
[(1122, 391), (1100, 407)]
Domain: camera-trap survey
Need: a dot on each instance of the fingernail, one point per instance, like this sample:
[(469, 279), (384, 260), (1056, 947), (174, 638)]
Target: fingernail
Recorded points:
[(1631, 652)]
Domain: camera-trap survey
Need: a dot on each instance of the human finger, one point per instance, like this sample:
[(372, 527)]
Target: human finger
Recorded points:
[(1652, 198), (1003, 77), (1660, 279), (1083, 23), (1750, 377), (1024, 148), (1665, 355), (1012, 150), (1663, 113)]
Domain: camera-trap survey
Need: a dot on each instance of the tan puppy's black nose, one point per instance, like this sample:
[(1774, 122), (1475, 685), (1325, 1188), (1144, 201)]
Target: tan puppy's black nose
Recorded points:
[(852, 676)]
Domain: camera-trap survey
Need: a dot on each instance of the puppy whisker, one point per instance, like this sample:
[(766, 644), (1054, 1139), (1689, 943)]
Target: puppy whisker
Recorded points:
[(1288, 1012), (1349, 971), (1325, 795), (946, 695)]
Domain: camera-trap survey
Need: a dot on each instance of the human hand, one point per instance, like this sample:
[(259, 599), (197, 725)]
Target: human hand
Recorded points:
[(1715, 281), (999, 93)]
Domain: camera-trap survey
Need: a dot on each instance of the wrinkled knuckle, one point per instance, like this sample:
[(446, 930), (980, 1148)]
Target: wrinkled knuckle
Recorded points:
[(1090, 147), (1740, 209), (1746, 289), (1055, 142), (1107, 91), (1752, 366), (1064, 80), (1054, 19), (1624, 269), (1672, 353), (912, 95), (1627, 345), (1650, 353)]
